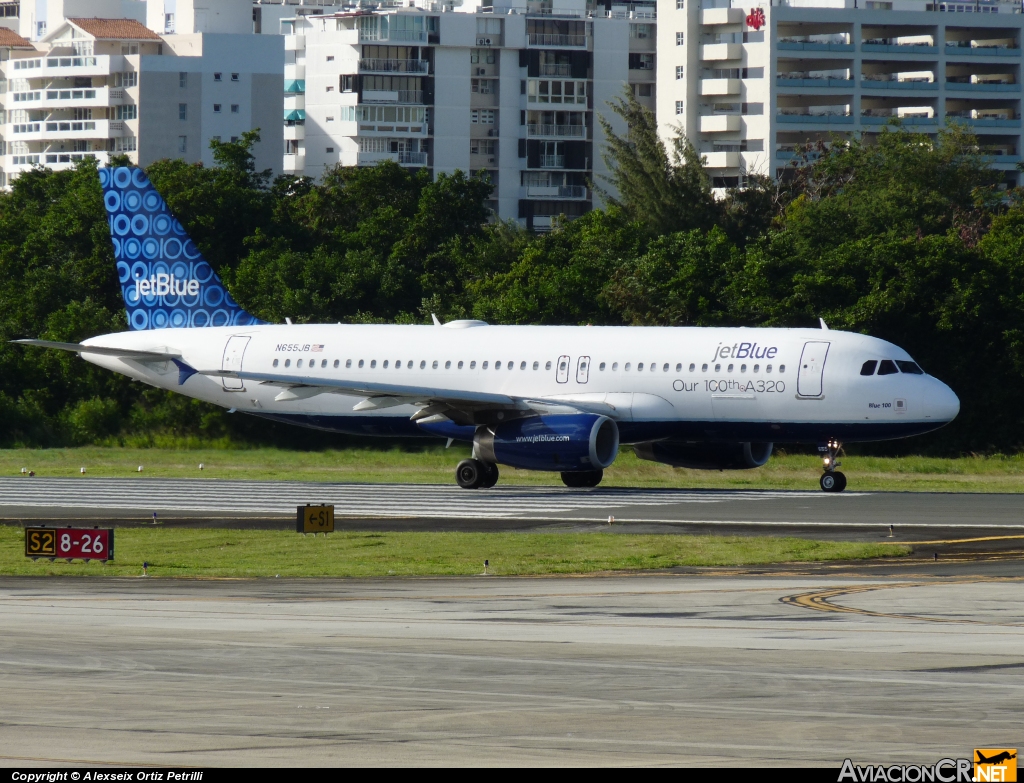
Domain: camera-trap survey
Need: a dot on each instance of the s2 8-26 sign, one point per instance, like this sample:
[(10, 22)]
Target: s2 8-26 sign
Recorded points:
[(70, 543)]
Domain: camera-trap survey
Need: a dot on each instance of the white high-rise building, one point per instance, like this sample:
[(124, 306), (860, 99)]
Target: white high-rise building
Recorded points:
[(751, 84), (101, 87), (513, 91)]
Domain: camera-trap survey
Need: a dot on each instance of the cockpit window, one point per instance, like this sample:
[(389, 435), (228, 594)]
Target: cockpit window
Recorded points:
[(887, 367), (909, 367), (868, 368)]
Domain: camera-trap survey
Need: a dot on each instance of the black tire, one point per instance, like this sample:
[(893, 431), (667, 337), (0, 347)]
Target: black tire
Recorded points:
[(828, 482), (583, 478), (490, 477), (840, 481), (469, 473)]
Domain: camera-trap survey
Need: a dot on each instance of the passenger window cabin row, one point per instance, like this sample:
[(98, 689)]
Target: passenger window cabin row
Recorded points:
[(311, 364)]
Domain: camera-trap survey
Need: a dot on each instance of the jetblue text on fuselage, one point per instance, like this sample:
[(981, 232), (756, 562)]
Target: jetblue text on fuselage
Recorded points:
[(163, 284), (744, 351)]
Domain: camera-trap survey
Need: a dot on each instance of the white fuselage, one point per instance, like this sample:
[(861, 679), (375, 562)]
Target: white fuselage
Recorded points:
[(716, 383)]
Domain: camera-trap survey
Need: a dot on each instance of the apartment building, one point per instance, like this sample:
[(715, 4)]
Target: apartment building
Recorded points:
[(752, 85), (511, 91), (101, 87)]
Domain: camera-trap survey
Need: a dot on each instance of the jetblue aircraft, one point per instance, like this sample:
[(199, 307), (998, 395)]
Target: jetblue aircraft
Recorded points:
[(556, 398)]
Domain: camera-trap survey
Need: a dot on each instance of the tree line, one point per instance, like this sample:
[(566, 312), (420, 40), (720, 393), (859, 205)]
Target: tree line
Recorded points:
[(908, 238)]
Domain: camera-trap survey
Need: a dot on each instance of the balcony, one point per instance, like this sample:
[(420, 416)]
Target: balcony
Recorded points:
[(294, 132), (896, 84), (78, 98), (383, 65), (294, 43), (813, 46), (392, 96), (403, 158), (294, 103), (870, 119), (65, 130), (570, 131), (956, 50), (372, 35), (814, 119), (725, 51), (720, 123), (899, 48), (555, 69), (563, 191), (712, 16), (719, 86), (412, 158), (722, 160), (295, 71), (984, 122), (982, 86), (783, 81), (294, 163), (552, 161), (64, 67), (552, 39)]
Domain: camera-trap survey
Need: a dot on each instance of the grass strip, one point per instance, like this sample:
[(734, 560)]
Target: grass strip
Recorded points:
[(269, 553), (436, 465)]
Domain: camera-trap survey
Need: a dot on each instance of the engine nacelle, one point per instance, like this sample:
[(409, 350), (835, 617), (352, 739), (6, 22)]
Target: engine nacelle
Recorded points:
[(706, 456), (583, 441)]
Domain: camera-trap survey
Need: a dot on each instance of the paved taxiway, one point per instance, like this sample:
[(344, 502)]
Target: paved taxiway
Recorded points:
[(801, 667), (258, 504)]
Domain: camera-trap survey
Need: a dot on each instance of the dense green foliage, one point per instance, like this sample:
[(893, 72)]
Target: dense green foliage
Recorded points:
[(906, 238)]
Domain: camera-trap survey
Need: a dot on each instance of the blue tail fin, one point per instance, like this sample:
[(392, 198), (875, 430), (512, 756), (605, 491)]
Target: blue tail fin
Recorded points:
[(165, 281)]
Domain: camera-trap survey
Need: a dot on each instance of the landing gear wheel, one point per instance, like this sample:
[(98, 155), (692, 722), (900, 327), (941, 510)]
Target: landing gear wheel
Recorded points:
[(840, 481), (582, 478), (470, 473), (828, 482), (490, 477), (831, 480)]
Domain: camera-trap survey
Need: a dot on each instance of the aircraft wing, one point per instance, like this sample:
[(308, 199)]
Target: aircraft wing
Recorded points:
[(455, 404), (121, 353)]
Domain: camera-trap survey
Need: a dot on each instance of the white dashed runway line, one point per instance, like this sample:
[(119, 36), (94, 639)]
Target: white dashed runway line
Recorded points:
[(247, 498)]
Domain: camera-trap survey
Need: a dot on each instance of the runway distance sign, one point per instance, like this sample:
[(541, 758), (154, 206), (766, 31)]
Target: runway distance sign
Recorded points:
[(70, 543), (314, 519)]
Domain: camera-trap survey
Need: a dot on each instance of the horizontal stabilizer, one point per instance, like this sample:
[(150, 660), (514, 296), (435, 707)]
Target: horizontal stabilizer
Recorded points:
[(121, 353)]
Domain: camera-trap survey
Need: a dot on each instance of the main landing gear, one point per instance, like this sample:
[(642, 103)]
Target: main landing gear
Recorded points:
[(583, 478), (475, 473), (831, 480)]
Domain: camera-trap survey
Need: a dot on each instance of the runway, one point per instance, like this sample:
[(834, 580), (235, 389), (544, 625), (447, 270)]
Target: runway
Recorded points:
[(805, 667), (265, 504)]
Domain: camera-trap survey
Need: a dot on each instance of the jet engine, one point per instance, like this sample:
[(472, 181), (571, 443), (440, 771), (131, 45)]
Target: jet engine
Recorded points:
[(706, 456), (567, 443)]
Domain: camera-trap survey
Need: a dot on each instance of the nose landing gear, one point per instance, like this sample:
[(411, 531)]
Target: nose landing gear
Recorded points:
[(831, 480)]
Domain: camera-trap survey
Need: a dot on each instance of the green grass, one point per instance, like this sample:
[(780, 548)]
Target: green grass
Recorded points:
[(436, 465), (177, 552)]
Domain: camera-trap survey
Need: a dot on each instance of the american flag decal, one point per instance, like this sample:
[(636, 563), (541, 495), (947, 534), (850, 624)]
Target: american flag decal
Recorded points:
[(317, 348)]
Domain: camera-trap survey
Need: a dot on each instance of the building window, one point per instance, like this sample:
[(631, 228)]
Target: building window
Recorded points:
[(217, 77), (183, 112), (234, 77), (126, 79), (752, 108), (680, 5), (482, 116), (216, 108), (641, 30), (680, 39), (234, 108), (130, 48), (679, 107), (330, 149), (348, 83), (130, 112), (330, 58), (234, 139), (182, 143), (680, 71), (330, 119), (330, 88), (183, 80), (481, 146), (644, 90)]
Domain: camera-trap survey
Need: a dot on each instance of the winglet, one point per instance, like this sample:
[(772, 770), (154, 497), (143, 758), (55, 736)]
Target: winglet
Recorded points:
[(185, 371), (824, 325), (434, 319)]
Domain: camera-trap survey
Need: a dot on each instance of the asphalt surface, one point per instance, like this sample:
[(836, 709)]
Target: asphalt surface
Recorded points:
[(901, 663), (379, 507)]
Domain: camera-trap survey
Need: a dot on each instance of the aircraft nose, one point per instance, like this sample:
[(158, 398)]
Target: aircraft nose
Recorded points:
[(945, 405)]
